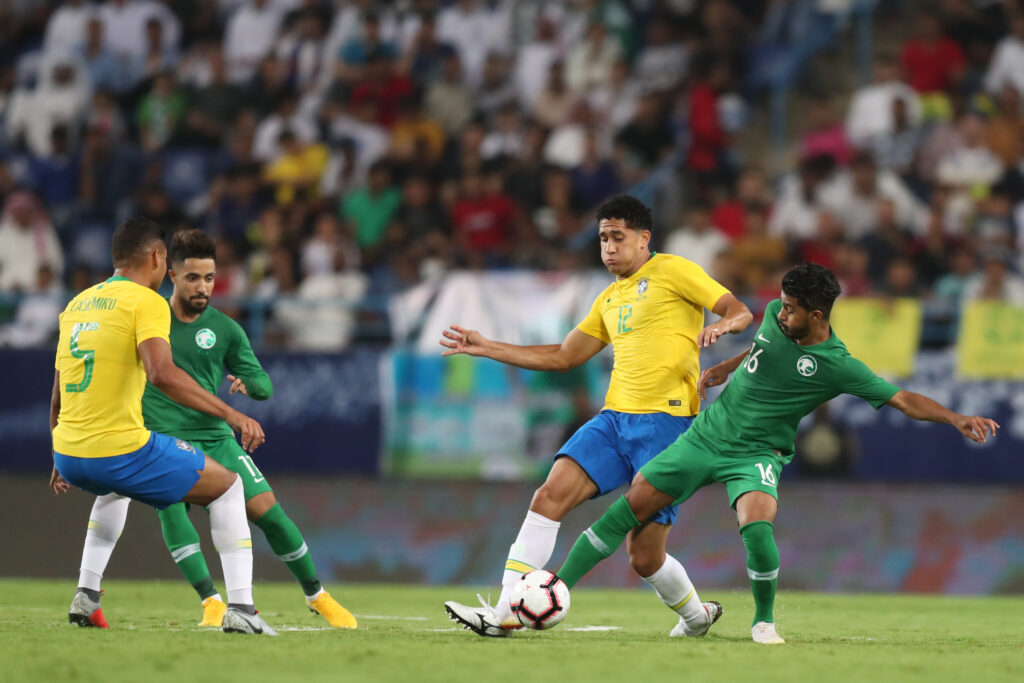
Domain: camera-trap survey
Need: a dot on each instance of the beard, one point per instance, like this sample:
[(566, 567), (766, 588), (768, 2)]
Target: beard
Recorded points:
[(195, 305)]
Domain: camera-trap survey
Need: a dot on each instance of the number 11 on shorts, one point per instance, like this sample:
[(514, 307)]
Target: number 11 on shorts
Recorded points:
[(257, 476)]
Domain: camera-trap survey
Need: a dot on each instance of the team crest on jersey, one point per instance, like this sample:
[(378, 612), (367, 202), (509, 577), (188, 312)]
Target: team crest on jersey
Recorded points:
[(205, 338), (641, 287), (806, 365), (185, 446)]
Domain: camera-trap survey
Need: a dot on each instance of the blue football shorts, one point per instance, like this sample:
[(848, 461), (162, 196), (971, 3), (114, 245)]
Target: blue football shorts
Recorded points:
[(160, 473), (612, 447)]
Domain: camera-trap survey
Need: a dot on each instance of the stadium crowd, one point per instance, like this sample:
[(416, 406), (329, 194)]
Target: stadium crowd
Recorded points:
[(343, 149)]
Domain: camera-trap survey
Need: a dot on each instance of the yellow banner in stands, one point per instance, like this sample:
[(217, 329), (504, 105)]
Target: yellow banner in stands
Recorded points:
[(884, 333), (991, 342)]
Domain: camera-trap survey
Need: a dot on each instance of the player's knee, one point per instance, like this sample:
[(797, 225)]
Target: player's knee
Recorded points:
[(646, 562), (550, 501)]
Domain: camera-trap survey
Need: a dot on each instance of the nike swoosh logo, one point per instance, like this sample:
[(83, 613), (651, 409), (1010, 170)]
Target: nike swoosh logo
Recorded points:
[(761, 337)]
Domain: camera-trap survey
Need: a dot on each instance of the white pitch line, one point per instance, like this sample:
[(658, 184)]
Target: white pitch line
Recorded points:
[(593, 628), (392, 618)]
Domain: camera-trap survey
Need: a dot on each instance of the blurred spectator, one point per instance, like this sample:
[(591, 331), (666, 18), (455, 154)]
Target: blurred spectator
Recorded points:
[(110, 172), (731, 216), (662, 62), (235, 205), (420, 216), (212, 106), (707, 154), (483, 220), (295, 173), (1004, 134), (647, 138), (55, 178), (425, 56), (851, 268), (901, 280), (124, 26), (474, 29), (35, 320), (416, 139), (565, 145), (107, 71), (897, 150), (870, 113), (756, 253), (286, 116), (697, 239), (1007, 65), (951, 286), (323, 251), (355, 56), (496, 91), (931, 61), (556, 219), (28, 242), (825, 134), (448, 100), (932, 252), (301, 51), (595, 178), (160, 112), (555, 101), (249, 36), (105, 114), (66, 28), (887, 242), (60, 98), (153, 203), (533, 63), (381, 86), (614, 102), (158, 56), (369, 210), (591, 62), (505, 139), (795, 215), (970, 166), (942, 138), (995, 282), (853, 196)]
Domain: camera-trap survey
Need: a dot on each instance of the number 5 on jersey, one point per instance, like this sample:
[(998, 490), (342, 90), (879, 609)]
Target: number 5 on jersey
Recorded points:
[(84, 354)]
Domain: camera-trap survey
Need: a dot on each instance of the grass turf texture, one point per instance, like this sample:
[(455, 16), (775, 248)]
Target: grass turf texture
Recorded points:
[(404, 635)]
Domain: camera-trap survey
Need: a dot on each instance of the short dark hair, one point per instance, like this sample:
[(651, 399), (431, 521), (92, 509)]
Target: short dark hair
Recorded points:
[(814, 287), (191, 243), (628, 208), (132, 238)]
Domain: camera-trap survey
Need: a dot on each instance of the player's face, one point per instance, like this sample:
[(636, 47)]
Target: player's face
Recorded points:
[(623, 250), (794, 319), (193, 283)]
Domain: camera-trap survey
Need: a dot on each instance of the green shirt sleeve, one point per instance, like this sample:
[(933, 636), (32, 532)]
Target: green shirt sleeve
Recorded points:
[(241, 362), (859, 380)]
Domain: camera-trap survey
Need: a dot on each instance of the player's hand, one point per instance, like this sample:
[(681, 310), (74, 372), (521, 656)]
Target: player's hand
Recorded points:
[(460, 340), (711, 377), (237, 386), (710, 334), (976, 428), (249, 429), (58, 484)]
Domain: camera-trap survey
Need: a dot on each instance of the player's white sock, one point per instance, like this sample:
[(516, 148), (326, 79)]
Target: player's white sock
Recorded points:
[(106, 522), (231, 537), (675, 589), (532, 550)]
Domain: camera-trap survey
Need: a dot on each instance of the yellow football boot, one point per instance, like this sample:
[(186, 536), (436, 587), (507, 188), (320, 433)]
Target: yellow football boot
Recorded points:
[(327, 607), (213, 612)]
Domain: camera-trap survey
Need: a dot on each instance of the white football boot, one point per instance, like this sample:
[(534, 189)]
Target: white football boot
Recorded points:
[(237, 621), (482, 620), (714, 611), (764, 632)]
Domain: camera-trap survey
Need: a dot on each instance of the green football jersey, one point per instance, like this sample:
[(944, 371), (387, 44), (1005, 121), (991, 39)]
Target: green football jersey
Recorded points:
[(778, 383), (205, 348)]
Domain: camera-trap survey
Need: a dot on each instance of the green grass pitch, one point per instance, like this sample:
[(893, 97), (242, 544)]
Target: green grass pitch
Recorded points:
[(404, 635)]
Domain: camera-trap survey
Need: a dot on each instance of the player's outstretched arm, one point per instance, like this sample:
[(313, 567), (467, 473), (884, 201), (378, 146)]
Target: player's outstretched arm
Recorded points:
[(181, 388), (923, 408), (717, 374), (578, 348), (735, 317)]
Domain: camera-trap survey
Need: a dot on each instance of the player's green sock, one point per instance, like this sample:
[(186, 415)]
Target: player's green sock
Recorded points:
[(762, 567), (598, 542), (182, 540), (286, 541)]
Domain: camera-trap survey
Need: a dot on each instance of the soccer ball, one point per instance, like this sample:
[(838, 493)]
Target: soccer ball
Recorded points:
[(540, 600)]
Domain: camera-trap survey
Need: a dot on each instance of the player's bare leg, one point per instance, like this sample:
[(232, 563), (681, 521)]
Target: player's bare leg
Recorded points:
[(221, 492), (755, 512), (566, 487), (287, 543), (668, 578)]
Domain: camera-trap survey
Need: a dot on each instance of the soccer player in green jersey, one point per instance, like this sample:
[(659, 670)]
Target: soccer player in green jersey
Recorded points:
[(205, 343), (744, 439)]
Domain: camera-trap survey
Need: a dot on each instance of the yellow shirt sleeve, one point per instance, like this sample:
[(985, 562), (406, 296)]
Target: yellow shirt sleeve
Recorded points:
[(593, 324), (693, 284), (152, 319)]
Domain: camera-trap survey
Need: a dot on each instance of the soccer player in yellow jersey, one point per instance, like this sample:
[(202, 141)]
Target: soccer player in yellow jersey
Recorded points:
[(113, 337), (653, 315)]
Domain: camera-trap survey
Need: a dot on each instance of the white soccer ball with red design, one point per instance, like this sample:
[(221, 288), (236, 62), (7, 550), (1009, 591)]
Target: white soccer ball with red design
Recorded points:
[(540, 600)]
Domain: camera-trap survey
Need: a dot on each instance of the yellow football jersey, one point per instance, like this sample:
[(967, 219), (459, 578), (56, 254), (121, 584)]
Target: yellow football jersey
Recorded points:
[(652, 319), (101, 374)]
